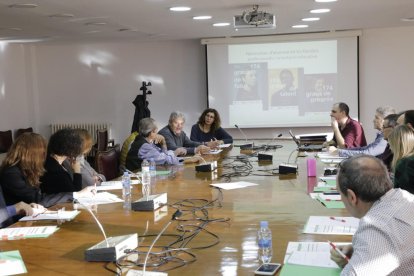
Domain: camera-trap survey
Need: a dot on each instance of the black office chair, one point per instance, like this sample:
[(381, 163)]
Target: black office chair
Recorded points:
[(20, 131), (6, 140), (107, 162)]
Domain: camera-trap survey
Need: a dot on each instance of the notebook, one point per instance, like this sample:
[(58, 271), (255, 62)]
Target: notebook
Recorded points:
[(305, 147)]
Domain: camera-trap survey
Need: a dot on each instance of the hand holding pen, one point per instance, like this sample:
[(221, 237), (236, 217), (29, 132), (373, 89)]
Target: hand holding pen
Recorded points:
[(339, 254)]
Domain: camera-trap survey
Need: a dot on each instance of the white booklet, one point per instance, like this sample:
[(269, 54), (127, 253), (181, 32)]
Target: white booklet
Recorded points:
[(309, 253), (100, 198), (17, 233)]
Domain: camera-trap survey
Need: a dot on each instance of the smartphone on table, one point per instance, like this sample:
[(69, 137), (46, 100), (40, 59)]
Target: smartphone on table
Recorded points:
[(267, 269)]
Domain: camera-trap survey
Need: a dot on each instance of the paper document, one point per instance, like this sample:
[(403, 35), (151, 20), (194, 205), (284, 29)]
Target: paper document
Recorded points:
[(17, 233), (233, 185), (325, 155), (330, 197), (114, 185), (11, 263), (215, 151), (52, 215), (331, 225), (100, 198), (224, 146)]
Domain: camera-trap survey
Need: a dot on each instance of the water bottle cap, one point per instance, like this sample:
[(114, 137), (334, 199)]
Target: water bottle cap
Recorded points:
[(264, 223), (126, 173)]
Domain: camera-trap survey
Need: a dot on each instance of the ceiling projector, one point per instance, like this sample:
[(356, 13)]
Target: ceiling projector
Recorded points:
[(254, 19)]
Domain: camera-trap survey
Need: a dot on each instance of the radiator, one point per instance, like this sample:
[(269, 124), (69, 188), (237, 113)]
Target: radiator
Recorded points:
[(91, 127)]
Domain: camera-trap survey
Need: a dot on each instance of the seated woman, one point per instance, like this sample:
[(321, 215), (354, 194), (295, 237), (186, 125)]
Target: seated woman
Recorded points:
[(401, 142), (21, 170), (150, 145), (89, 176), (208, 128), (63, 144)]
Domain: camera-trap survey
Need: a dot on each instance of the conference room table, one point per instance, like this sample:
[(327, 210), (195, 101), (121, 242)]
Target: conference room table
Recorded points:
[(233, 220)]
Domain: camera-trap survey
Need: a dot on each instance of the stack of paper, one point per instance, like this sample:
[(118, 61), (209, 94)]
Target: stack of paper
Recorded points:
[(233, 185), (27, 232), (11, 263), (100, 198), (331, 225), (52, 215), (309, 258)]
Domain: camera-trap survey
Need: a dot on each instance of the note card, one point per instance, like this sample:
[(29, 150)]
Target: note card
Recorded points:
[(11, 263)]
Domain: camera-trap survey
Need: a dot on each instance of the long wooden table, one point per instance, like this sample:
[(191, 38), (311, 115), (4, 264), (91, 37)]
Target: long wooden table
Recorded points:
[(282, 200)]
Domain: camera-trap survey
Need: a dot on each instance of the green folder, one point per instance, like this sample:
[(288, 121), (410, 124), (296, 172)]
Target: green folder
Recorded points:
[(12, 256), (324, 189), (303, 270), (163, 172), (331, 204)]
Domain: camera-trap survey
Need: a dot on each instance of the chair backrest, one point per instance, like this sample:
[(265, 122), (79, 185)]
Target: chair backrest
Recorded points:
[(107, 162), (101, 139), (125, 148), (20, 131), (6, 140)]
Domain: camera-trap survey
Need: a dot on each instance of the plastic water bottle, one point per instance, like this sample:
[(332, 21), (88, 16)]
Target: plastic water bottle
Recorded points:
[(146, 179), (153, 168), (264, 239), (126, 190)]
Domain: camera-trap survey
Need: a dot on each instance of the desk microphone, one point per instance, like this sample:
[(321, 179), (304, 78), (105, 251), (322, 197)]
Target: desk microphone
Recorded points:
[(110, 249), (245, 146), (176, 215), (266, 157)]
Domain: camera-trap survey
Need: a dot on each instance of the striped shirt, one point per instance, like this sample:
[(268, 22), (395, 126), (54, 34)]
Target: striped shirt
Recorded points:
[(384, 241)]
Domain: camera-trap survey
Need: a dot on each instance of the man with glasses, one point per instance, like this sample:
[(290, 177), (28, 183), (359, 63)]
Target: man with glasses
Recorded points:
[(375, 148), (348, 133), (390, 122), (383, 242)]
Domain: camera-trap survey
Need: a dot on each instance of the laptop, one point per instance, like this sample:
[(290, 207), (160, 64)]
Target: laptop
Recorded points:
[(310, 147)]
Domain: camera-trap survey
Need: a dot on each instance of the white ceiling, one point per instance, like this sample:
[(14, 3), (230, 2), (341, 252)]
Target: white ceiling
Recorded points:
[(149, 20)]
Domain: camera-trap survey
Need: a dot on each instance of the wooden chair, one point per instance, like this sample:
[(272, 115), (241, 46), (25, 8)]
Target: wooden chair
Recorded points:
[(107, 162), (20, 131), (6, 140)]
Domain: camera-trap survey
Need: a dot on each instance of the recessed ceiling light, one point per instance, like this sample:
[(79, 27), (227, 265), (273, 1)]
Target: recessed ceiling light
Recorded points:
[(223, 24), (325, 1), (62, 15), (299, 26), (310, 19), (180, 9), (320, 11), (23, 6), (408, 19), (202, 17), (95, 23)]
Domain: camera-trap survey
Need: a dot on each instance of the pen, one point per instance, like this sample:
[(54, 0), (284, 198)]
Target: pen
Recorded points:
[(337, 219), (339, 251)]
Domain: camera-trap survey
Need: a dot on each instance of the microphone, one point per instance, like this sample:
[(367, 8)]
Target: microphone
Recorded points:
[(176, 215), (266, 157), (287, 168), (245, 146), (110, 249)]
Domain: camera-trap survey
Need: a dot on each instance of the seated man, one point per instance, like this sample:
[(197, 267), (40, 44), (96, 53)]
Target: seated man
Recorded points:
[(176, 138), (382, 244), (375, 148), (150, 145), (348, 133)]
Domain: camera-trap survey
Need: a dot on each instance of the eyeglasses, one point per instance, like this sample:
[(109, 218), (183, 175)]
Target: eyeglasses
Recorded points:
[(333, 111)]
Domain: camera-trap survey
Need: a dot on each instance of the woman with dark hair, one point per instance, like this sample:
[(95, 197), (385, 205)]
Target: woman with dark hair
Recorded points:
[(208, 128), (63, 144), (89, 176), (21, 170)]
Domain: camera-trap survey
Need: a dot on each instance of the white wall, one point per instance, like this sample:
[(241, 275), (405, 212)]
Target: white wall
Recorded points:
[(96, 82)]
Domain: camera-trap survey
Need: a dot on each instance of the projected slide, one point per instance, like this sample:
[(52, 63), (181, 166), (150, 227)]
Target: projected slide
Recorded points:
[(282, 84)]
